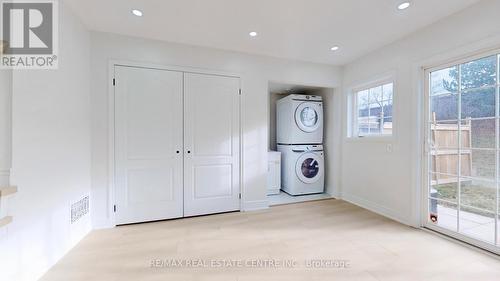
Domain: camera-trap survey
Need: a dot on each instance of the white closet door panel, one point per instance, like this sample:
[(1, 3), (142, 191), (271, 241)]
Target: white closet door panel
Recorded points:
[(148, 134), (211, 141)]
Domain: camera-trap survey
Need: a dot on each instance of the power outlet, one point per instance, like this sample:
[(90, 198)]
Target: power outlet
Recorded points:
[(389, 148)]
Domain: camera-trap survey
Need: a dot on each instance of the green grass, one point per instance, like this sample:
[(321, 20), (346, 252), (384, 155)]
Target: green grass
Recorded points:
[(474, 195)]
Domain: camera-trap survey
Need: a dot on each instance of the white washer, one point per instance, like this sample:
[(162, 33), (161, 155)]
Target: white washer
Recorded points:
[(299, 119), (302, 169)]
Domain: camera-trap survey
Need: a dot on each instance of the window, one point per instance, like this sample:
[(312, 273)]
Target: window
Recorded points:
[(373, 111), (463, 137)]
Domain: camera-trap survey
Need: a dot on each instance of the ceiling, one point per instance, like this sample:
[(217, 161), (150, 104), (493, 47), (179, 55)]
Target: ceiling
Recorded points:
[(294, 29)]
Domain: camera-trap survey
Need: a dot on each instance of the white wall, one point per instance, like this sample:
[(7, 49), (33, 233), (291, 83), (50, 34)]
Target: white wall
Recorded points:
[(256, 72), (5, 127), (332, 138), (273, 98), (388, 182), (51, 157)]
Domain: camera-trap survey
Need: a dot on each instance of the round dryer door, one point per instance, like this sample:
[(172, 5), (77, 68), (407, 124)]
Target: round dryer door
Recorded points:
[(307, 116), (309, 167)]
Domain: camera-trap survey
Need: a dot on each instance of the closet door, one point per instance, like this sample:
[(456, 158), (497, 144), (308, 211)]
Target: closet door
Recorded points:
[(148, 144), (211, 141)]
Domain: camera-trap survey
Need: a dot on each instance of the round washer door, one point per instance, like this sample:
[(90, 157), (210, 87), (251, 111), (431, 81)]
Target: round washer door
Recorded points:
[(307, 116), (309, 167)]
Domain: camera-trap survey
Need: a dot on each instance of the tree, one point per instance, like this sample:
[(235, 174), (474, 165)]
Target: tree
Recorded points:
[(375, 105), (475, 74)]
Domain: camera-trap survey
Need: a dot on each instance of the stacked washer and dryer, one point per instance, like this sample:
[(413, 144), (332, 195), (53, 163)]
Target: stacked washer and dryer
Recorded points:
[(300, 140)]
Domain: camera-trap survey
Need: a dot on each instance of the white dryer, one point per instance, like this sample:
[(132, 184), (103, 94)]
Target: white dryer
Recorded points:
[(299, 119), (302, 169)]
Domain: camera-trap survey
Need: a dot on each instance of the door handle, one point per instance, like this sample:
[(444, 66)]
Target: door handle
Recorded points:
[(189, 151), (177, 152)]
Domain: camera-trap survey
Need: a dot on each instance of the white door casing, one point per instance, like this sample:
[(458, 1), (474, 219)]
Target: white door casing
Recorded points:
[(148, 144), (212, 144)]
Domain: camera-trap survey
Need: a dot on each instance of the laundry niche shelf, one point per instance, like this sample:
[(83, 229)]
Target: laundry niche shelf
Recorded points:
[(9, 190), (5, 221), (4, 192)]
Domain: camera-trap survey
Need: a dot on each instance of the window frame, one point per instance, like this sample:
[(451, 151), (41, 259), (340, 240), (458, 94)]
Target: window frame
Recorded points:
[(425, 70), (353, 126)]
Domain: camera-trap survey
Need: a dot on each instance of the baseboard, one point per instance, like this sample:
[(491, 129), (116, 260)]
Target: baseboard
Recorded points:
[(376, 208), (334, 195), (255, 205), (246, 207), (102, 224)]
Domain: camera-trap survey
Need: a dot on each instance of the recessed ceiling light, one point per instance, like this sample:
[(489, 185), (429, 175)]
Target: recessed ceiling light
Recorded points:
[(252, 34), (404, 5), (335, 48), (137, 12)]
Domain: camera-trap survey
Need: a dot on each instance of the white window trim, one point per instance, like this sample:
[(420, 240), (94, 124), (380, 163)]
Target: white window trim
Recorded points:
[(352, 120), (418, 84), (422, 186)]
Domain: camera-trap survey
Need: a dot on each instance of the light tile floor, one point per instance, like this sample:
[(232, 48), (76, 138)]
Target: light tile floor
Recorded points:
[(375, 248)]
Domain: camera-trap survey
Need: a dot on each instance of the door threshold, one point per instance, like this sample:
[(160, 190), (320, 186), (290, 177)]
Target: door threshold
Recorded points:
[(284, 198), (462, 242), (176, 219), (301, 202)]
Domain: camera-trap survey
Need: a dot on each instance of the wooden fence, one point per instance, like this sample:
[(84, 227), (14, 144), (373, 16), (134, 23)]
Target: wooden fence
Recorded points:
[(445, 152)]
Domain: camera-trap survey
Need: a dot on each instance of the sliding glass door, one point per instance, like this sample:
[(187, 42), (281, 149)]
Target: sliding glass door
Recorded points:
[(463, 150)]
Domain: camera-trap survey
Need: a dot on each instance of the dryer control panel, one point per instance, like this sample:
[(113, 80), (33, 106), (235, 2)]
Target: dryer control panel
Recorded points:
[(305, 148), (307, 98)]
